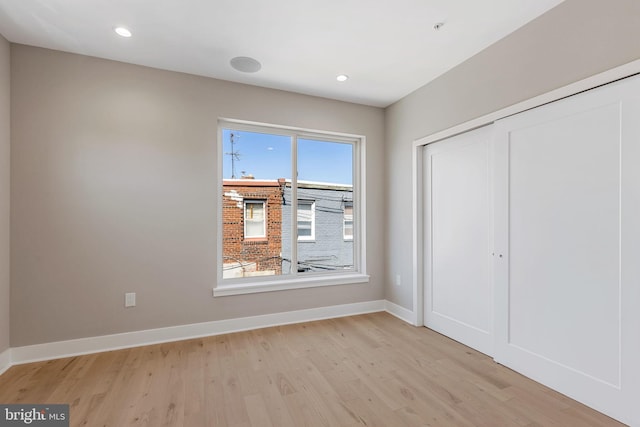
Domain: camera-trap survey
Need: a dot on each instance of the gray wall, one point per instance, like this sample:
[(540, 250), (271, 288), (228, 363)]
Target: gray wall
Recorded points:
[(5, 82), (329, 229), (113, 191), (575, 40)]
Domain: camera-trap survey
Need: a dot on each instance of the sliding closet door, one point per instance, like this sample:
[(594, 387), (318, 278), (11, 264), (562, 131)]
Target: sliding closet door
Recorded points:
[(568, 244), (458, 234)]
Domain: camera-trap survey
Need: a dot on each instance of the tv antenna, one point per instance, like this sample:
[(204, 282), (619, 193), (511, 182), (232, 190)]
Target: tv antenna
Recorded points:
[(235, 155)]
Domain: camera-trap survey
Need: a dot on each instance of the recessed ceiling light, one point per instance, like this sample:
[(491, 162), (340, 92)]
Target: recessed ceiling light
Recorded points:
[(122, 31), (245, 64), (342, 78)]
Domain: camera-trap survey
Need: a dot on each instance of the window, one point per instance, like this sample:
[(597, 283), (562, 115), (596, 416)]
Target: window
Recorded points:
[(290, 212), (306, 220), (347, 224), (254, 220)]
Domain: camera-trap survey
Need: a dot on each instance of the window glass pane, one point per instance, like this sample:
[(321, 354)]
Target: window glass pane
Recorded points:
[(305, 220), (255, 168), (304, 230), (262, 235), (254, 219), (348, 221), (325, 176), (305, 212), (348, 230)]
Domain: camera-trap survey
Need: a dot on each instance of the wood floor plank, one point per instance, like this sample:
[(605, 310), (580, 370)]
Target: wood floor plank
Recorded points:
[(376, 411), (195, 404), (214, 396), (369, 370), (257, 410), (276, 406)]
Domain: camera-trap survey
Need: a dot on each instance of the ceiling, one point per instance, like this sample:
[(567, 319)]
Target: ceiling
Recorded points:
[(387, 48)]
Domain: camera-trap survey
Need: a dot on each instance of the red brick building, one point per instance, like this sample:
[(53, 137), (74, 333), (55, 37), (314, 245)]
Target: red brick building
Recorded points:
[(252, 227)]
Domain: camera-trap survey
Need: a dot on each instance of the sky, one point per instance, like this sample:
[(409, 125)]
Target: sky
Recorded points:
[(268, 156)]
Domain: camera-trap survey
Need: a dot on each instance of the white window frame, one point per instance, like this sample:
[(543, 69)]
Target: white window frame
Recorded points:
[(312, 237), (295, 280), (264, 219)]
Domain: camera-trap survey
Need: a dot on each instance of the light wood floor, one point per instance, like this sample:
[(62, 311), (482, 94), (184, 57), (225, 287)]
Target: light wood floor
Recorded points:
[(371, 370)]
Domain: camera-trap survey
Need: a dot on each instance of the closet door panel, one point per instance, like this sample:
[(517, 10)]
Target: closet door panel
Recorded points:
[(567, 210), (564, 240), (458, 297), (630, 256)]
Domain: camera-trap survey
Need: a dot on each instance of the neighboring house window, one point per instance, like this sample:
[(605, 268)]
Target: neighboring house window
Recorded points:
[(290, 209), (254, 219), (347, 222), (306, 220)]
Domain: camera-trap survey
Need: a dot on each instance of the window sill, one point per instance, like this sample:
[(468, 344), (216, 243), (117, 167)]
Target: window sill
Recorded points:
[(256, 240), (289, 284)]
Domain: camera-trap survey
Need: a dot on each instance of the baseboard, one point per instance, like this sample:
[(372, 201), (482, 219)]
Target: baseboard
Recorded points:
[(5, 360), (76, 347), (399, 311)]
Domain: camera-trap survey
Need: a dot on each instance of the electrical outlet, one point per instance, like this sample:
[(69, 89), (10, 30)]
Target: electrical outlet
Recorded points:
[(130, 299), (398, 280)]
